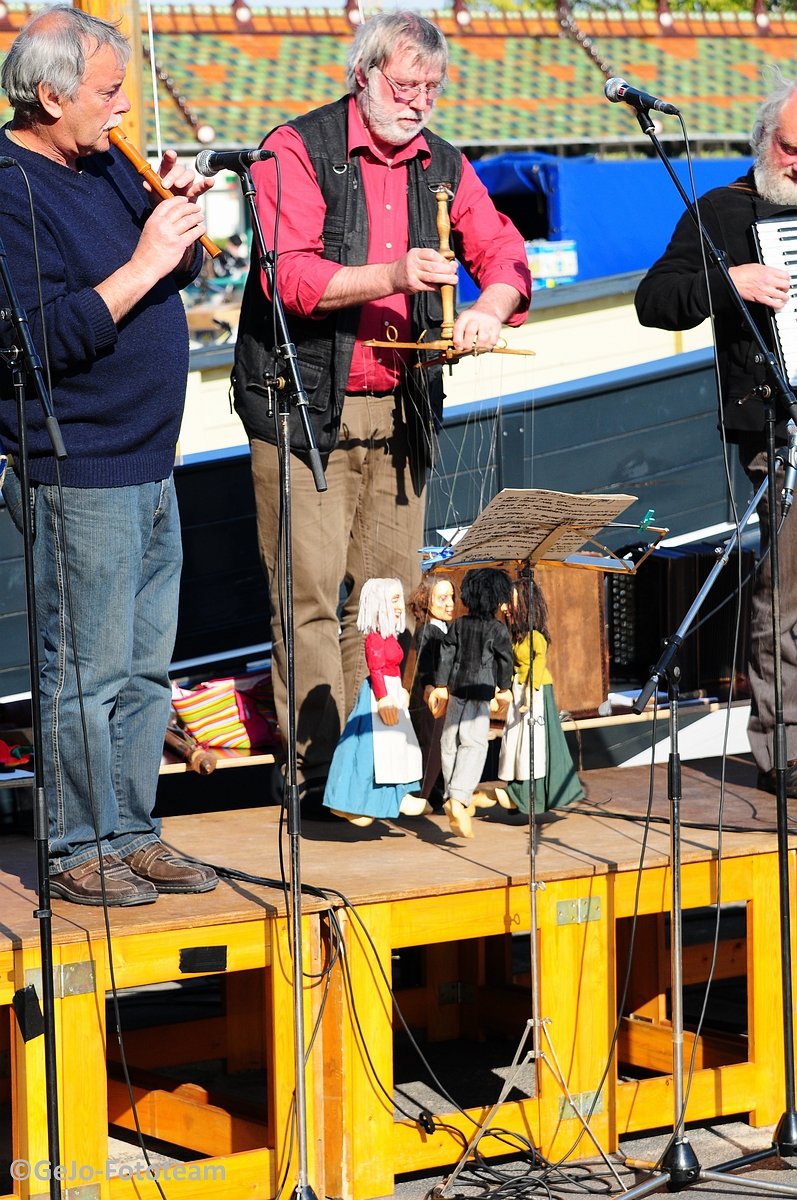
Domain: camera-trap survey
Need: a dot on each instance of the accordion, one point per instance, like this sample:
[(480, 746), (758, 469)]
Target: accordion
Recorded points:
[(776, 242)]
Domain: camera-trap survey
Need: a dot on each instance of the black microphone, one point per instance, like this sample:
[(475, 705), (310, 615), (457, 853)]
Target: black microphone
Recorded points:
[(790, 477), (618, 90), (210, 162), (5, 161)]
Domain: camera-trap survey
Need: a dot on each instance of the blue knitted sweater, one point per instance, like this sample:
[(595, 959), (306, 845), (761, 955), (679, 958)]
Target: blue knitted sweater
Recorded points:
[(117, 391)]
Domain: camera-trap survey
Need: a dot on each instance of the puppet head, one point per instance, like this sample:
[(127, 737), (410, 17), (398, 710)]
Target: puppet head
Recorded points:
[(517, 616), (433, 597), (381, 607), (484, 590)]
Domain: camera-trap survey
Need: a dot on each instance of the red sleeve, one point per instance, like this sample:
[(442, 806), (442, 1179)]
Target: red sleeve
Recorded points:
[(376, 660), (302, 274)]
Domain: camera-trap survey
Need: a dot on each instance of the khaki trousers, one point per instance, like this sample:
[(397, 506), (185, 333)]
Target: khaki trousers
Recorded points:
[(368, 524)]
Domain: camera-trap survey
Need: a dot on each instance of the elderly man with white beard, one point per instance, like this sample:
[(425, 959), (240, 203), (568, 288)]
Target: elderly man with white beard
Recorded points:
[(678, 293), (360, 262)]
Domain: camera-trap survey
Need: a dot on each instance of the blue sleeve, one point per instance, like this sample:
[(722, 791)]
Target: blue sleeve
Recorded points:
[(79, 325)]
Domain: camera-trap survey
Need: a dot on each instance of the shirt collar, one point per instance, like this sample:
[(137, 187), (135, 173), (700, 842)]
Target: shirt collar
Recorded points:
[(360, 140)]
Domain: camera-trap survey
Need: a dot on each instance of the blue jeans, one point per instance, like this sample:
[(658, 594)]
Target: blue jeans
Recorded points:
[(124, 553)]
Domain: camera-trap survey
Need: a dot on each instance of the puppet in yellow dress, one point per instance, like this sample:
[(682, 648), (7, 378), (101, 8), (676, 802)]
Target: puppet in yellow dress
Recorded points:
[(556, 783)]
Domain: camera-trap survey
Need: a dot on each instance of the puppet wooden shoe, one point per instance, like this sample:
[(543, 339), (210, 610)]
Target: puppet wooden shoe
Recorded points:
[(414, 806), (357, 819), (482, 800), (505, 800), (458, 818)]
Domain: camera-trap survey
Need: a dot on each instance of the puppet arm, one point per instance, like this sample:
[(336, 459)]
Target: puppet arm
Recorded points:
[(437, 701), (499, 705), (540, 661)]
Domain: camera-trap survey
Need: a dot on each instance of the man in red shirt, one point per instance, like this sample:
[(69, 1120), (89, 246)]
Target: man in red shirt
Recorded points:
[(358, 258)]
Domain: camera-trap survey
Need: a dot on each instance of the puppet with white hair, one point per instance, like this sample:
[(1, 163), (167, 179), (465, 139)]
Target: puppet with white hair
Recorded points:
[(377, 762)]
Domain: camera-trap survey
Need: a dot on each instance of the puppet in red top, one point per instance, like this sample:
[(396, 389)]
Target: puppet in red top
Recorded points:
[(377, 762)]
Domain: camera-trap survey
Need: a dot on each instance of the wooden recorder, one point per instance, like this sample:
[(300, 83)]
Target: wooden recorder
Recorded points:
[(153, 179)]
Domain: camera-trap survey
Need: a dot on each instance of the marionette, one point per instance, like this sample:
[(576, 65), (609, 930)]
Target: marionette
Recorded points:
[(432, 605), (473, 676), (533, 704), (376, 768)]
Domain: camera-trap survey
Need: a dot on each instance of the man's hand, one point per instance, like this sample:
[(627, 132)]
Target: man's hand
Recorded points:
[(180, 179), (437, 701), (479, 327), (421, 270), (165, 242), (761, 285), (171, 229)]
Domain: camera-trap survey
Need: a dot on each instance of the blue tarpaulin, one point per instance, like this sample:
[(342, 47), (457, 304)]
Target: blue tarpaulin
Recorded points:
[(619, 212)]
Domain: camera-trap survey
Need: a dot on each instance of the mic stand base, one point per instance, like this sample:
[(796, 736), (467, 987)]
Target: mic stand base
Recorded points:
[(785, 1139), (681, 1166)]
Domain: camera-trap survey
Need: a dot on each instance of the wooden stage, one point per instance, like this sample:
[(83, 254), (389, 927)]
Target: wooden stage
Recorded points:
[(400, 885)]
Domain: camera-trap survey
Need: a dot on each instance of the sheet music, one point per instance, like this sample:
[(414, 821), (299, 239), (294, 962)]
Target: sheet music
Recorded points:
[(533, 524)]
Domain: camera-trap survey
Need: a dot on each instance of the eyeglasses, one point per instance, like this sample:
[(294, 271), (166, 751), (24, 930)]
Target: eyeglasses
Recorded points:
[(405, 93)]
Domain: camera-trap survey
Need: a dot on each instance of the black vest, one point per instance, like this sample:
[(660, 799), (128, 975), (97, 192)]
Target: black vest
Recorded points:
[(324, 347)]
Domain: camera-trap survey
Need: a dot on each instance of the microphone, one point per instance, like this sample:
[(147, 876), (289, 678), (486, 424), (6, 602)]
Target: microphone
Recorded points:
[(790, 477), (5, 161), (210, 162), (618, 90)]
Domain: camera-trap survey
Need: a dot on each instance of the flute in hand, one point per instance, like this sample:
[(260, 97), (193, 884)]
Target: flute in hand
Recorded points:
[(127, 148)]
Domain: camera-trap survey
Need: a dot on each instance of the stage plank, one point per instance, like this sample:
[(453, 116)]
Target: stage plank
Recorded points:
[(415, 857), (623, 792)]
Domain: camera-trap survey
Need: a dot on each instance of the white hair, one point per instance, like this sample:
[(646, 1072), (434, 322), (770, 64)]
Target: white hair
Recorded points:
[(376, 613)]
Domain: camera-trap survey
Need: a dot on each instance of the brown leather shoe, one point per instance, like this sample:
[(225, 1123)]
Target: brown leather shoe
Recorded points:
[(82, 884), (156, 863)]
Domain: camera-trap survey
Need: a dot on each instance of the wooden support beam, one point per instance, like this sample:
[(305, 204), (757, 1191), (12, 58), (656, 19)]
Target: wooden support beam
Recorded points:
[(184, 1117), (648, 1045)]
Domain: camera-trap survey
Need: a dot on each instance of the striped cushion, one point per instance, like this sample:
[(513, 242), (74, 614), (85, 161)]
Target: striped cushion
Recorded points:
[(228, 712)]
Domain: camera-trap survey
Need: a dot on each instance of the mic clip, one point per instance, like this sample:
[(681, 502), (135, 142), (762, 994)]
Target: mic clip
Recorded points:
[(788, 456)]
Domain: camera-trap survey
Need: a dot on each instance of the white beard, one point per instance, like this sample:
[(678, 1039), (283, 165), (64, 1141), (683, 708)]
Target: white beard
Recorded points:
[(774, 186)]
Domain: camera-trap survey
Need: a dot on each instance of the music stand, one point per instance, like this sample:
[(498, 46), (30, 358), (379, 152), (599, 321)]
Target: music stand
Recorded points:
[(521, 527)]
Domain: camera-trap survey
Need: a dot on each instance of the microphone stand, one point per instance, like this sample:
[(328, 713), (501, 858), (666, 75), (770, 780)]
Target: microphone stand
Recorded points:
[(680, 1167), (289, 389), (25, 365)]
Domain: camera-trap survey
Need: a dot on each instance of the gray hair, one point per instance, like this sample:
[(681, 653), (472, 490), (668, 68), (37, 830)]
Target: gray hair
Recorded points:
[(768, 116), (52, 48), (387, 33), (376, 613)]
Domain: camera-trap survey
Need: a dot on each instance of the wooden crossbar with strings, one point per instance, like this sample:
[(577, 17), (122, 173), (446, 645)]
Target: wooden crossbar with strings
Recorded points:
[(445, 343)]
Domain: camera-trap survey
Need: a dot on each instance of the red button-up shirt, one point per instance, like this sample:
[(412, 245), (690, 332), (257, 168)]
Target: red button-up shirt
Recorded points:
[(492, 249)]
